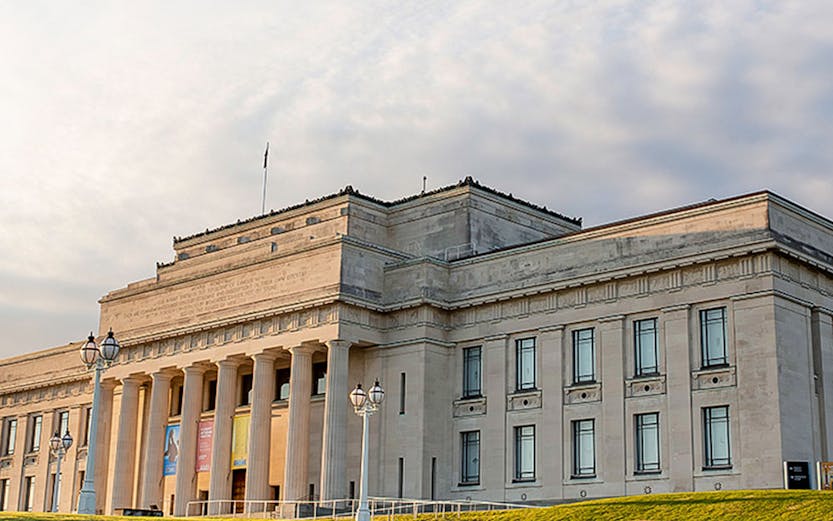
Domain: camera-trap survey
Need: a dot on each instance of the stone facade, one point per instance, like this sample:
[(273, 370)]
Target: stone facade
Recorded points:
[(511, 343)]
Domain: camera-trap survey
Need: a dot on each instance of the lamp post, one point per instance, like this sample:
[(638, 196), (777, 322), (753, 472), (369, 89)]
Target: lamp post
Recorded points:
[(100, 358), (365, 404), (59, 445)]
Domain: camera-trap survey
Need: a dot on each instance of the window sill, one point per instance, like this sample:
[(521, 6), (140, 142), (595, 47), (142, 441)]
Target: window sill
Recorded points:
[(469, 484), (709, 367), (714, 468), (583, 476), (647, 472), (647, 376), (471, 397), (524, 480)]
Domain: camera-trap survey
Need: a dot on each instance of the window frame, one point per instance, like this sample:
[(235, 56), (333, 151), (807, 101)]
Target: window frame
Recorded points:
[(466, 444), (9, 436), (706, 360), (5, 490), (35, 433), (643, 428), (523, 345), (470, 390), (638, 333), (709, 424), (319, 373), (578, 342), (519, 473), (579, 468)]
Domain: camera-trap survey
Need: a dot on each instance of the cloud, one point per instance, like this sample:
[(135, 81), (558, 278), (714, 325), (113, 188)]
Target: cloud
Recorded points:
[(127, 124)]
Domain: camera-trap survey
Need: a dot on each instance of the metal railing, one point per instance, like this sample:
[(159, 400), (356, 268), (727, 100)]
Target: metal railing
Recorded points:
[(380, 508)]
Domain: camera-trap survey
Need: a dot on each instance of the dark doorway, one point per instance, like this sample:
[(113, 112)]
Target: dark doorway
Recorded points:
[(238, 488)]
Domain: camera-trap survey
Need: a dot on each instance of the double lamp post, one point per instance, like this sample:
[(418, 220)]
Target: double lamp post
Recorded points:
[(365, 404)]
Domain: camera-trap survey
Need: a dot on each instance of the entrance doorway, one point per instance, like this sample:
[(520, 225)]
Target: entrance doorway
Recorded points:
[(238, 488)]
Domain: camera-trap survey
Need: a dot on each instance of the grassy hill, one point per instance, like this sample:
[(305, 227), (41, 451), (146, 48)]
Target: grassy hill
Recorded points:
[(746, 505)]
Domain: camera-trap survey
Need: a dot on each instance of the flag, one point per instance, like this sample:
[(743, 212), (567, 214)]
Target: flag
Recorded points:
[(266, 155)]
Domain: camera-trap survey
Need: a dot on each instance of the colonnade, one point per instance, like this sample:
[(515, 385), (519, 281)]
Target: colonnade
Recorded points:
[(333, 484)]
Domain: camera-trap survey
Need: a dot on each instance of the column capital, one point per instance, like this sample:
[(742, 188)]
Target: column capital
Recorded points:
[(161, 376), (132, 381), (301, 350), (338, 344), (109, 384), (194, 370), (232, 363), (265, 356)]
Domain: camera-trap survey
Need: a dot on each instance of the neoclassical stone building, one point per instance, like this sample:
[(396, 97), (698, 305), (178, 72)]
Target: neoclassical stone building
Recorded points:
[(524, 358)]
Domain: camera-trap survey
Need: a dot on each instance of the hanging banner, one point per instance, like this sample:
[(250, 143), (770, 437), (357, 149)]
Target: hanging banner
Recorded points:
[(205, 436), (826, 475), (171, 450), (240, 441)]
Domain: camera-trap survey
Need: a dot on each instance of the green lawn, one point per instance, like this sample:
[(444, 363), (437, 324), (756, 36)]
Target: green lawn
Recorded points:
[(746, 505)]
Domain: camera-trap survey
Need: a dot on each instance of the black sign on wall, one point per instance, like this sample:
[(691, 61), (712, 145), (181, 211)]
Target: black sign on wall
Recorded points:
[(797, 474)]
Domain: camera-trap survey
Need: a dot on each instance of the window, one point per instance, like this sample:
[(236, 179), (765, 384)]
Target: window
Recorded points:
[(471, 372), (10, 436), (584, 356), (470, 468), (401, 478), (85, 438), (319, 378), (211, 398), (713, 336), (716, 437), (401, 393), (63, 422), (35, 433), (525, 453), (282, 384), (584, 449), (525, 363), (647, 442), (645, 347), (176, 400), (245, 389), (28, 493), (5, 487)]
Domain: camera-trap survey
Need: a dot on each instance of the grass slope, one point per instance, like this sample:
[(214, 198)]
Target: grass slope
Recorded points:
[(757, 505), (746, 505)]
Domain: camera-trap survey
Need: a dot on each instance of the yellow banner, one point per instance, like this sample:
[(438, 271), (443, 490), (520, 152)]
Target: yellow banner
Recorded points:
[(240, 441)]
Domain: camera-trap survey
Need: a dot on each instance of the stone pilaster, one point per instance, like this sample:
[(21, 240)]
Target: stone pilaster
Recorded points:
[(610, 435), (219, 486), (297, 436), (260, 427), (678, 353), (495, 470), (125, 461), (334, 440), (102, 443), (551, 352), (190, 417), (155, 445)]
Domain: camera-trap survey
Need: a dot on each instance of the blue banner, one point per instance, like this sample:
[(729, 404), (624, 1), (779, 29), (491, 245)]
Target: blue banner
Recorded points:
[(171, 450)]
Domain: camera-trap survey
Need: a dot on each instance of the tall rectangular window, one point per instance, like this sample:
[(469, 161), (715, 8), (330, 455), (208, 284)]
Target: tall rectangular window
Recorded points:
[(28, 493), (713, 337), (35, 433), (401, 478), (471, 372), (525, 453), (63, 422), (645, 347), (211, 397), (647, 442), (470, 468), (319, 378), (716, 437), (10, 436), (584, 356), (88, 420), (584, 448), (401, 393), (525, 364), (5, 487), (282, 384), (246, 382)]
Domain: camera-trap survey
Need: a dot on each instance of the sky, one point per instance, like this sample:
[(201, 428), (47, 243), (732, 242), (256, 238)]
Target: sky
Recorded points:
[(125, 124)]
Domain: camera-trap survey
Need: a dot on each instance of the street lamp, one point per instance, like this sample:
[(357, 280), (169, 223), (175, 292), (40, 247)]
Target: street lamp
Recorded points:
[(59, 447), (365, 404), (100, 358)]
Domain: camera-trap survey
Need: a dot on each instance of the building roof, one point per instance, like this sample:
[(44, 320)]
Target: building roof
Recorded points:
[(349, 190)]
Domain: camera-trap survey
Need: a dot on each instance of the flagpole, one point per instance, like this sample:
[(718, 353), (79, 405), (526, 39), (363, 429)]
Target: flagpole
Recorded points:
[(265, 171)]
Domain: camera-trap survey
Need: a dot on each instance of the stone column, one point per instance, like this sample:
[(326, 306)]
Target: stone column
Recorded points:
[(551, 351), (102, 443), (495, 470), (260, 428), (219, 485), (676, 343), (334, 439), (297, 436), (125, 462), (610, 435), (190, 417), (155, 449)]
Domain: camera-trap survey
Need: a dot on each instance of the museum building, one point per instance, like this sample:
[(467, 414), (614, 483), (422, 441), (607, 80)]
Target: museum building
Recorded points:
[(524, 358)]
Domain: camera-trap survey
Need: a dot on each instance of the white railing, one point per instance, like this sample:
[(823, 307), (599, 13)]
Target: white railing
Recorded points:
[(381, 508)]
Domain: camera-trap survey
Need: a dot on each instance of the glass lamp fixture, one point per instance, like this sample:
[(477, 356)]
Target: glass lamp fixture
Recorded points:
[(376, 394), (66, 441), (89, 351), (110, 347), (56, 442), (358, 397)]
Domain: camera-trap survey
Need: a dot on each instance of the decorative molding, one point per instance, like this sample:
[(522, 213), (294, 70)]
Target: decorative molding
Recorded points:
[(524, 400), (713, 378), (648, 386), (469, 407), (578, 394)]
